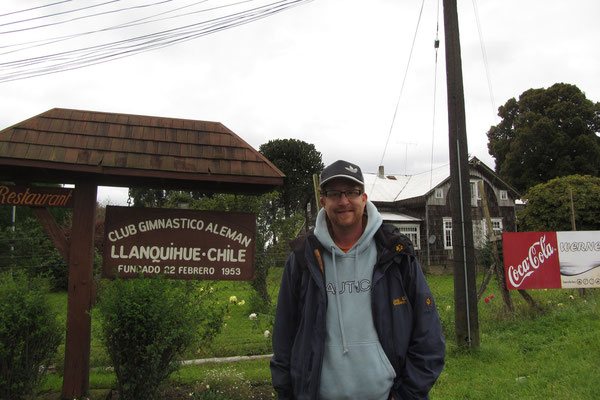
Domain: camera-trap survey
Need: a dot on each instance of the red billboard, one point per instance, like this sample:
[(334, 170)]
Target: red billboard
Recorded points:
[(178, 244), (552, 260)]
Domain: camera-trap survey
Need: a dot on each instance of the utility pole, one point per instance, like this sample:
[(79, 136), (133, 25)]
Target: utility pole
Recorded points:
[(466, 319)]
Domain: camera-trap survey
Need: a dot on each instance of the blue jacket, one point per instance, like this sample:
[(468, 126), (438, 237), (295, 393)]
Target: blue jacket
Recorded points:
[(404, 314)]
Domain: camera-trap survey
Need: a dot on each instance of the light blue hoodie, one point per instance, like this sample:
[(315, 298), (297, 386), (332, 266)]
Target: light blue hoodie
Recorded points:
[(354, 364)]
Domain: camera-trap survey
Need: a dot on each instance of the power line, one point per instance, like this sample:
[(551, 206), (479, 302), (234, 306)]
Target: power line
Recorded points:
[(401, 90), (92, 55), (436, 46), (403, 82), (35, 8), (484, 55), (54, 15), (44, 42)]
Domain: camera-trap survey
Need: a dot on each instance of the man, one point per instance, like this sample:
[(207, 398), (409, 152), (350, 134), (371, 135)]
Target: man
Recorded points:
[(355, 317)]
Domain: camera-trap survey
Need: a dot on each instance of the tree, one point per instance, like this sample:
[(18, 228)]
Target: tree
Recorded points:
[(298, 160), (548, 205), (546, 134), (144, 197)]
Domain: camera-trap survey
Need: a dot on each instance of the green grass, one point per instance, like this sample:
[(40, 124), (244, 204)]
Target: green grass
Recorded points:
[(552, 354), (547, 354)]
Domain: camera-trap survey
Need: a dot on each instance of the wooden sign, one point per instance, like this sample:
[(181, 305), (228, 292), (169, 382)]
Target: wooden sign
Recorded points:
[(178, 244), (35, 196)]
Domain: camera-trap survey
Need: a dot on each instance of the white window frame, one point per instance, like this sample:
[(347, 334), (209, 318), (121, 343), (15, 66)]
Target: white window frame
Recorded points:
[(480, 236), (475, 195), (503, 195), (497, 225), (413, 231), (439, 193), (447, 228)]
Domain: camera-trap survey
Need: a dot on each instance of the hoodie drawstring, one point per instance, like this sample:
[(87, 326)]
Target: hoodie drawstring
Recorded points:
[(356, 251), (338, 304)]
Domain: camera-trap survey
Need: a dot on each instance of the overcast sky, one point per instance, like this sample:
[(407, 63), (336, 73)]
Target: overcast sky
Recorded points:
[(328, 72)]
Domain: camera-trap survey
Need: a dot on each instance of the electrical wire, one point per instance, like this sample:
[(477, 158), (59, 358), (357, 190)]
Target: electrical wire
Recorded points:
[(236, 16), (403, 82), (484, 55), (147, 20), (436, 46), (412, 47), (35, 8), (54, 15), (92, 55)]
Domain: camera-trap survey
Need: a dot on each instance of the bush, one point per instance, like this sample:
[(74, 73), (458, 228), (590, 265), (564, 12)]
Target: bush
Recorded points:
[(29, 333), (147, 324)]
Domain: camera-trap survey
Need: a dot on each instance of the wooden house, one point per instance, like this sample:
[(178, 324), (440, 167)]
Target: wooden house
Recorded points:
[(418, 205)]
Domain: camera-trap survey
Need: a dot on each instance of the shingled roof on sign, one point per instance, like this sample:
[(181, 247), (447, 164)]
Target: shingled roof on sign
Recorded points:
[(67, 146)]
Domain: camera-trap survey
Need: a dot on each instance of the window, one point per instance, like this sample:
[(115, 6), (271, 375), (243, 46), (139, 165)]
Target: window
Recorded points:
[(439, 193), (503, 195), (496, 225), (479, 233), (412, 231), (475, 193), (447, 233)]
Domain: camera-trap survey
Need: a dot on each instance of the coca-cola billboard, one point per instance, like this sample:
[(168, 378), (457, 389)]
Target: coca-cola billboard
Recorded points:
[(552, 260)]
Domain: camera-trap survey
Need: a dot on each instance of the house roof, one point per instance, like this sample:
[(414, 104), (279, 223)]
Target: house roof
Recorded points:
[(393, 188), (67, 146), (397, 217)]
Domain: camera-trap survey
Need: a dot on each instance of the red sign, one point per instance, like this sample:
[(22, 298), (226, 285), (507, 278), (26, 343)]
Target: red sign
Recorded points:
[(531, 260), (550, 260), (178, 244)]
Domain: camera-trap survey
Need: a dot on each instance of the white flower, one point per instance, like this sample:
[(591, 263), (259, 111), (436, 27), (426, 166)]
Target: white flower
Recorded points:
[(252, 316), (241, 302), (233, 299), (267, 333)]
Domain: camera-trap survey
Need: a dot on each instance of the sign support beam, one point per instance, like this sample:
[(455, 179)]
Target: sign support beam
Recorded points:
[(80, 293)]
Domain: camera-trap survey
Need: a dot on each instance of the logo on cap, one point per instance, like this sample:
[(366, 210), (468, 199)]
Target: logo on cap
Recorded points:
[(352, 169)]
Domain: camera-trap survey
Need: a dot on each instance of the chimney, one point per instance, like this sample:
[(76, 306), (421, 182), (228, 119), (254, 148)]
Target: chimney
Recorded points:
[(381, 174)]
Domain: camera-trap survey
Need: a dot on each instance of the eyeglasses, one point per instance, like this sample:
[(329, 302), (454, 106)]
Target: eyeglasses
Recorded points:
[(337, 194)]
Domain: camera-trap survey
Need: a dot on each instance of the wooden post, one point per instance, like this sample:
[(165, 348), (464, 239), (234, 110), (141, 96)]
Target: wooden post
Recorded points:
[(499, 265), (574, 226), (316, 191), (466, 319), (80, 292)]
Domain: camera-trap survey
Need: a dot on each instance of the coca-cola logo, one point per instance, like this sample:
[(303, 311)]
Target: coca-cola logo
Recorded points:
[(538, 253)]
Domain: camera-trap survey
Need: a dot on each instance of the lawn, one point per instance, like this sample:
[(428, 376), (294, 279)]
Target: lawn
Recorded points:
[(548, 354)]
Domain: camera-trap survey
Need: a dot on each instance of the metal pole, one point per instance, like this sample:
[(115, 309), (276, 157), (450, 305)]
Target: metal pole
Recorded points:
[(13, 226), (464, 247)]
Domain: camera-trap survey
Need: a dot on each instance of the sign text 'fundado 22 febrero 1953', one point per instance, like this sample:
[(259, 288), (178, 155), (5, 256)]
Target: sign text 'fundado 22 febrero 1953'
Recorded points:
[(552, 260), (178, 244)]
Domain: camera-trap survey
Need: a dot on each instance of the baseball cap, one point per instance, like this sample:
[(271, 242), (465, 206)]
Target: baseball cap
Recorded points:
[(342, 169)]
